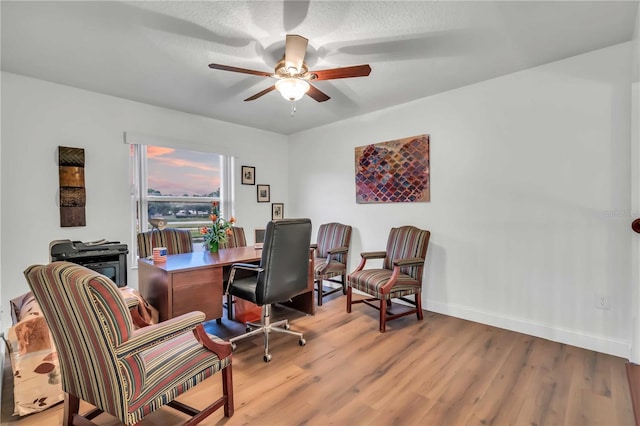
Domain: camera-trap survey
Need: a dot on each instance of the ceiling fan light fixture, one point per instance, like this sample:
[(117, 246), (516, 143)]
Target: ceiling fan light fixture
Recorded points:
[(292, 89)]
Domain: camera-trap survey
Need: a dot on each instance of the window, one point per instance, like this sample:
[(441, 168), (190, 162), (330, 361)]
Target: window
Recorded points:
[(178, 185)]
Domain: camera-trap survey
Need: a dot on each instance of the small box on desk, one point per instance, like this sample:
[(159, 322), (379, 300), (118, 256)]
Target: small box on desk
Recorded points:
[(159, 254), (247, 311)]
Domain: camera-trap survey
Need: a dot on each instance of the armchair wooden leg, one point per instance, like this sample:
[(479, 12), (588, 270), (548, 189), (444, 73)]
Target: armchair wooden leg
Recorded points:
[(71, 408), (343, 279), (349, 300), (227, 391), (383, 315), (419, 306)]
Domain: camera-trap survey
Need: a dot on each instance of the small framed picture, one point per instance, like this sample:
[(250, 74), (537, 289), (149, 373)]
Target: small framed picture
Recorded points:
[(248, 175), (277, 211), (264, 193)]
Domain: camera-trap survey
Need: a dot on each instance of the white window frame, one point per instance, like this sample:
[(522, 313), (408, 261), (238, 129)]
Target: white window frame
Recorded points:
[(140, 198)]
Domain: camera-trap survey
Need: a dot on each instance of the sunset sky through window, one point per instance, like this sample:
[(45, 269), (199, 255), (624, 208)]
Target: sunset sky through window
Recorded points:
[(179, 172)]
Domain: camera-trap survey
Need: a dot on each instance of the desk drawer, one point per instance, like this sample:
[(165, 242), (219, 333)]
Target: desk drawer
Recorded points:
[(198, 290)]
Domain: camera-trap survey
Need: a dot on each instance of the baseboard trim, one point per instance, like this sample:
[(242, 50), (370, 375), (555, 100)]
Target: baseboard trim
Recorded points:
[(616, 347)]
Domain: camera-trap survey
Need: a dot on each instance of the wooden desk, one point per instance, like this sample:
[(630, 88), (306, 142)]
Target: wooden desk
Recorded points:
[(194, 281)]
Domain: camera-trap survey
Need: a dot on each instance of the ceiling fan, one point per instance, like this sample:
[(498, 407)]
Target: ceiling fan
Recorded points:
[(294, 76)]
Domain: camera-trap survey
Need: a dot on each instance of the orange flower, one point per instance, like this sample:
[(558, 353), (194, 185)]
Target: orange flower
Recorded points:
[(213, 217), (232, 220), (203, 230), (229, 231)]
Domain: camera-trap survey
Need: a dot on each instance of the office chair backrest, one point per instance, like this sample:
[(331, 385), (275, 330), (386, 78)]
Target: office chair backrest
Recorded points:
[(406, 242), (88, 318), (285, 260)]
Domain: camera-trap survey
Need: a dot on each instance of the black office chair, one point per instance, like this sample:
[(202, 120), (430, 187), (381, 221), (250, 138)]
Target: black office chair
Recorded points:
[(282, 274)]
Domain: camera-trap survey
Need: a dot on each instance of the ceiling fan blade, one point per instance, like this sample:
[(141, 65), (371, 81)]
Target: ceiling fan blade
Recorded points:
[(317, 94), (346, 72), (259, 94), (241, 70), (295, 49)]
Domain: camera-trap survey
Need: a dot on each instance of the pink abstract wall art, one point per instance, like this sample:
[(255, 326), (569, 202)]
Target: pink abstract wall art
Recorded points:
[(393, 172)]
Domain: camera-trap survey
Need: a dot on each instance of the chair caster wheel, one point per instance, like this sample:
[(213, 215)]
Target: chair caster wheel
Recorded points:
[(233, 347), (247, 329), (302, 342), (267, 358)]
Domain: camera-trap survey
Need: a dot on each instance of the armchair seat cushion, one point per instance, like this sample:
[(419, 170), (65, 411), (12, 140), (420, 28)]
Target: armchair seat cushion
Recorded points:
[(334, 268), (167, 370), (371, 280)]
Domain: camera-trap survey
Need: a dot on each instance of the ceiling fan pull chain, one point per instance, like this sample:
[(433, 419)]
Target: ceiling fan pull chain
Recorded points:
[(293, 108)]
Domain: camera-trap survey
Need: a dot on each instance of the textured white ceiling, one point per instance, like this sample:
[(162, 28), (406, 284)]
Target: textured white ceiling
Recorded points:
[(157, 52)]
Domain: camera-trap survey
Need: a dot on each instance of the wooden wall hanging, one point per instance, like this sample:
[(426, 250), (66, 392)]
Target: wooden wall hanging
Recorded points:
[(72, 192)]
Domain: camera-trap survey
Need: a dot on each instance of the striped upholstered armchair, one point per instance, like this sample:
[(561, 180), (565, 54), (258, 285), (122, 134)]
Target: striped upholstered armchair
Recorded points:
[(175, 240), (123, 372), (331, 253), (400, 275), (236, 239)]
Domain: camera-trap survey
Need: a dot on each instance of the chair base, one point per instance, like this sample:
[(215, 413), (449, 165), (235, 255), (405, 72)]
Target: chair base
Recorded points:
[(384, 305), (322, 292), (266, 327)]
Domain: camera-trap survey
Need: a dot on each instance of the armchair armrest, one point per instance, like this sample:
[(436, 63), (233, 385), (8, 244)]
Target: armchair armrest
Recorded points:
[(338, 250), (131, 302), (373, 254), (397, 264), (147, 337), (369, 255), (332, 252), (219, 347), (411, 261), (313, 246)]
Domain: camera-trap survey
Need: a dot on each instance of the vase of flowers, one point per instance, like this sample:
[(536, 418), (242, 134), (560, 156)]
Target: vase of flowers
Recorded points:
[(218, 233)]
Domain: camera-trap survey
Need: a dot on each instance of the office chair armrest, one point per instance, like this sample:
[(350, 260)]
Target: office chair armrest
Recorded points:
[(373, 254), (218, 346), (411, 261), (147, 337), (246, 266)]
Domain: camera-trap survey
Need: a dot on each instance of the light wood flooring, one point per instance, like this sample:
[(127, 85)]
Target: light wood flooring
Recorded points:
[(441, 370)]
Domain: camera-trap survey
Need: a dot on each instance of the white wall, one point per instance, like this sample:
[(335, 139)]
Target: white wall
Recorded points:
[(635, 190), (530, 194), (38, 116)]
